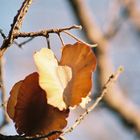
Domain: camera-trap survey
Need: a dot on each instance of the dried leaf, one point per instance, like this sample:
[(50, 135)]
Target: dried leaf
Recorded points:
[(13, 99), (85, 101), (33, 115), (82, 60), (52, 78)]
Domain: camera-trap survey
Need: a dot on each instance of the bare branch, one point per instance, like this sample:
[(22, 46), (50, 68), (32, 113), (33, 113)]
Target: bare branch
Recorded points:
[(63, 44), (16, 25), (111, 79), (45, 32), (3, 96), (16, 34)]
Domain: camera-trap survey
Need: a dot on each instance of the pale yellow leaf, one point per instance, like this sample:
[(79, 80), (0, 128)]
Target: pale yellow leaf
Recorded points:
[(52, 78), (85, 101)]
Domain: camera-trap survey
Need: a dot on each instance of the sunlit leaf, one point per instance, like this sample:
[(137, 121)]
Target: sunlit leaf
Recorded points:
[(80, 58), (52, 77), (70, 81)]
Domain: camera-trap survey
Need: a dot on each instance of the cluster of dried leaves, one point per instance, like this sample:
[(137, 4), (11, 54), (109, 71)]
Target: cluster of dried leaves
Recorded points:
[(41, 102)]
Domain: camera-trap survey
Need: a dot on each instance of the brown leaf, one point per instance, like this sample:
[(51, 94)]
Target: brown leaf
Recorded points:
[(33, 115), (83, 62), (13, 99)]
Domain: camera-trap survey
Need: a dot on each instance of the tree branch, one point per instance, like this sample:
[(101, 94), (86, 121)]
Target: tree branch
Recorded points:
[(16, 25), (45, 32), (16, 34), (3, 96)]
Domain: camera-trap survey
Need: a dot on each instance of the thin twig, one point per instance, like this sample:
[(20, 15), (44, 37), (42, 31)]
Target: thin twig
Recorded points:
[(79, 40), (48, 42), (111, 79), (17, 23), (24, 42), (63, 44), (2, 34), (45, 33)]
